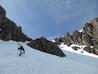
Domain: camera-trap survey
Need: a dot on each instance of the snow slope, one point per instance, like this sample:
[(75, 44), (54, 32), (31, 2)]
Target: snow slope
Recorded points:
[(36, 62), (66, 48)]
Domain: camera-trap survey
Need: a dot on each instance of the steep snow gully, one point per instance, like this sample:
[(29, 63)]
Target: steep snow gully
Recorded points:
[(36, 62)]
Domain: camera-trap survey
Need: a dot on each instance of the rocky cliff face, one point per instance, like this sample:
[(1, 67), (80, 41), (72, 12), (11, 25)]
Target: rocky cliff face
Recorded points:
[(88, 37), (10, 31)]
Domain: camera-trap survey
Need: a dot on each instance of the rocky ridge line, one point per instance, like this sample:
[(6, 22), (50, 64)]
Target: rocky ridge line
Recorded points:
[(88, 37)]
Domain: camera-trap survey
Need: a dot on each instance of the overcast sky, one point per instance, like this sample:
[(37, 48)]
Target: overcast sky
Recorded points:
[(50, 18)]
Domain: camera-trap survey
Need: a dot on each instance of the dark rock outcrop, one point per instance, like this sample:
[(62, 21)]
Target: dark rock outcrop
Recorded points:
[(95, 28), (87, 40), (76, 47), (2, 13), (77, 38), (66, 40), (47, 46), (88, 29), (9, 30), (91, 50), (88, 37), (88, 49)]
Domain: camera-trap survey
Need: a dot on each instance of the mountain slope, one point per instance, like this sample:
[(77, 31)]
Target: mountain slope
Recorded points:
[(87, 37), (10, 31), (35, 62)]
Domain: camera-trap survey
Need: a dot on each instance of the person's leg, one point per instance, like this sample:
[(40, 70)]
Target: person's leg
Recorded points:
[(20, 53), (24, 51)]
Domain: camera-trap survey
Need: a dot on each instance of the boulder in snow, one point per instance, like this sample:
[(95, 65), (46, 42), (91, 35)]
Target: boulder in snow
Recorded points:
[(47, 46)]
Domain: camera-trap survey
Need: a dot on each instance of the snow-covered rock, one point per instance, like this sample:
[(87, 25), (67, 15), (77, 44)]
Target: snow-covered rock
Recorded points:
[(79, 51)]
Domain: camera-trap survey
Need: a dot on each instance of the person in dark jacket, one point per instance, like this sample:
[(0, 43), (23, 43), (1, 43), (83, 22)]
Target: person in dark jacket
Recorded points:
[(21, 50)]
